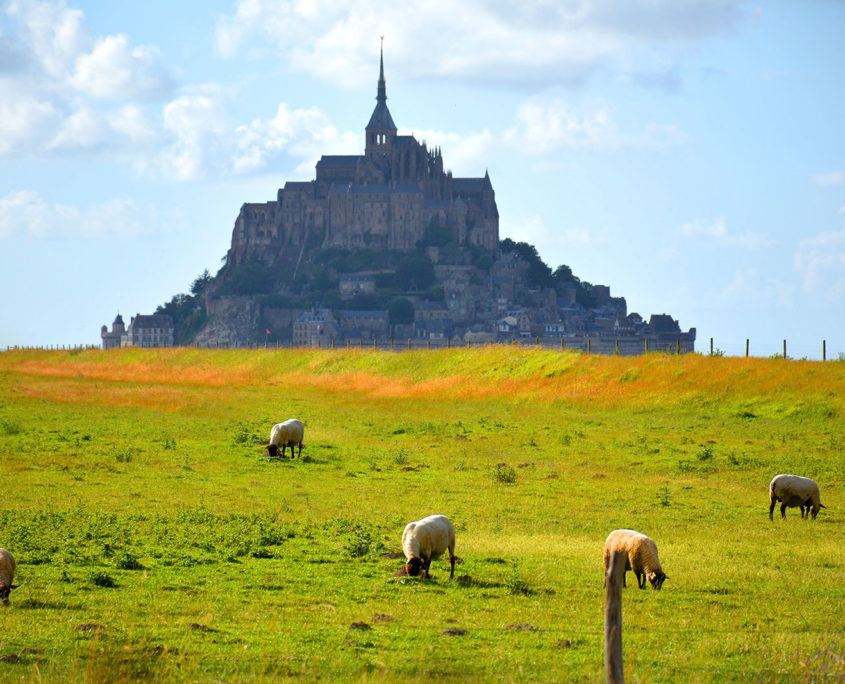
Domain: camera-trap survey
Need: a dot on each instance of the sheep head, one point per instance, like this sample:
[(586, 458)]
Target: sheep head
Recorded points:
[(272, 451), (414, 566), (4, 592), (657, 578)]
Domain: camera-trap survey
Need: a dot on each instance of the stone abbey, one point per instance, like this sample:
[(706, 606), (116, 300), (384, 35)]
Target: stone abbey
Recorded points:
[(385, 198)]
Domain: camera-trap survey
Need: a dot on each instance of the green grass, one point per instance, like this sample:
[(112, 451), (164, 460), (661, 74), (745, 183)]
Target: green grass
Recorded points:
[(154, 541)]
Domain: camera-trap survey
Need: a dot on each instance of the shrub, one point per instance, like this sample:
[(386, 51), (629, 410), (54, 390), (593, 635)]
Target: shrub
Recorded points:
[(504, 473), (128, 561), (705, 453), (100, 578), (359, 542)]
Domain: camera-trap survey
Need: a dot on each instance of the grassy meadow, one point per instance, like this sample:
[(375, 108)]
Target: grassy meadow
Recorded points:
[(154, 541)]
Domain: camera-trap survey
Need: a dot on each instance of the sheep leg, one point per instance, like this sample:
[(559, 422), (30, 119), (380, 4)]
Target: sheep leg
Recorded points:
[(426, 565), (783, 510), (640, 579), (299, 452), (452, 562), (772, 508)]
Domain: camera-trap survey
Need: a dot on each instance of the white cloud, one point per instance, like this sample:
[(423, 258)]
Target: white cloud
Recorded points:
[(25, 214), (548, 240), (715, 231), (830, 179), (115, 70), (750, 289), (820, 260), (541, 126), (521, 44)]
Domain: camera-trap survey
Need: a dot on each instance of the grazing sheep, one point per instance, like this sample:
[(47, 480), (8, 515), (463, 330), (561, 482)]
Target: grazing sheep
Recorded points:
[(642, 557), (424, 541), (794, 490), (7, 574), (287, 434)]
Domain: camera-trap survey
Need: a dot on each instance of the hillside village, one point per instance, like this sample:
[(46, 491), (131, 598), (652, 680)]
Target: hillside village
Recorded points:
[(390, 245)]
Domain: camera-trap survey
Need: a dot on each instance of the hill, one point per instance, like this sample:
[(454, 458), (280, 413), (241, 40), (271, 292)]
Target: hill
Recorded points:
[(154, 542)]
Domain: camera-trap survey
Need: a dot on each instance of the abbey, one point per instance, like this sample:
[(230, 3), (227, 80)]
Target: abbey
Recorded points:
[(385, 198)]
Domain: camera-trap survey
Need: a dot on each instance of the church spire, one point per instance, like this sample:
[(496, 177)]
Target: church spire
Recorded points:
[(380, 130), (382, 88)]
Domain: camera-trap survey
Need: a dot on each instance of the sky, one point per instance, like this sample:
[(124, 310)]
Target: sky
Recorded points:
[(690, 155)]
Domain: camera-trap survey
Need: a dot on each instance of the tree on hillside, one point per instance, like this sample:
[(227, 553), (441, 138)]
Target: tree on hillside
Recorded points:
[(400, 311)]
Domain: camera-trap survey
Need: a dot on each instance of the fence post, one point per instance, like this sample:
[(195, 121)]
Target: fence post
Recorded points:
[(824, 350), (448, 343), (678, 346), (375, 343), (617, 346), (409, 344), (746, 347), (711, 346), (469, 344), (429, 344), (784, 349), (562, 344), (646, 345), (613, 671), (589, 346)]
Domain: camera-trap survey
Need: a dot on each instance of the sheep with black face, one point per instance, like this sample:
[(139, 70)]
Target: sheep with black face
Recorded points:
[(290, 433), (424, 541)]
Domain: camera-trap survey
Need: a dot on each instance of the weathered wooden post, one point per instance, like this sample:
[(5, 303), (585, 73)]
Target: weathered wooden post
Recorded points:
[(746, 347), (613, 670), (375, 343), (617, 346), (362, 341), (348, 344), (469, 344), (562, 344), (646, 345), (824, 350), (589, 346), (409, 344), (678, 347), (711, 346), (784, 349), (429, 344), (391, 344)]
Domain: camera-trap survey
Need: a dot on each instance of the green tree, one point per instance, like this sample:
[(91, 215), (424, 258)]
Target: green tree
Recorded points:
[(400, 311)]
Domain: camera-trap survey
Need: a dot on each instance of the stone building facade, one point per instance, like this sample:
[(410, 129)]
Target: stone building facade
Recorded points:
[(384, 198), (144, 331)]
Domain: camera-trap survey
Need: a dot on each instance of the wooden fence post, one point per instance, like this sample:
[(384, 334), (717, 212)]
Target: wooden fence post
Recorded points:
[(824, 350), (784, 349), (448, 343), (646, 345), (613, 670), (562, 344), (746, 347), (617, 346), (589, 346), (711, 346), (678, 347), (409, 344), (429, 344)]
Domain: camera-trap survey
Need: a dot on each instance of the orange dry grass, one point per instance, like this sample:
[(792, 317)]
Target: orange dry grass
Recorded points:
[(492, 372)]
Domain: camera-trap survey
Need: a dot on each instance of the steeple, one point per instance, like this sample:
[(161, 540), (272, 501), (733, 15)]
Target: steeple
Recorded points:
[(382, 88), (380, 130)]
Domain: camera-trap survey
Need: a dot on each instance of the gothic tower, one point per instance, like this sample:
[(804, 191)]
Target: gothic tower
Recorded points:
[(381, 130)]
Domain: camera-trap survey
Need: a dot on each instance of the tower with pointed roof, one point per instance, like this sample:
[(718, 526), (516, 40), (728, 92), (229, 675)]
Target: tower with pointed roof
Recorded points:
[(381, 130)]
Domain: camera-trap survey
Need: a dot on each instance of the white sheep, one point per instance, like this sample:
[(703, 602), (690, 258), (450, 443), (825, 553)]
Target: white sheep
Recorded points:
[(794, 490), (642, 557), (424, 541), (7, 574), (287, 434)]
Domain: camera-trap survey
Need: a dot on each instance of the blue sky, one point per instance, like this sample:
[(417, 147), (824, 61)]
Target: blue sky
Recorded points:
[(689, 155)]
